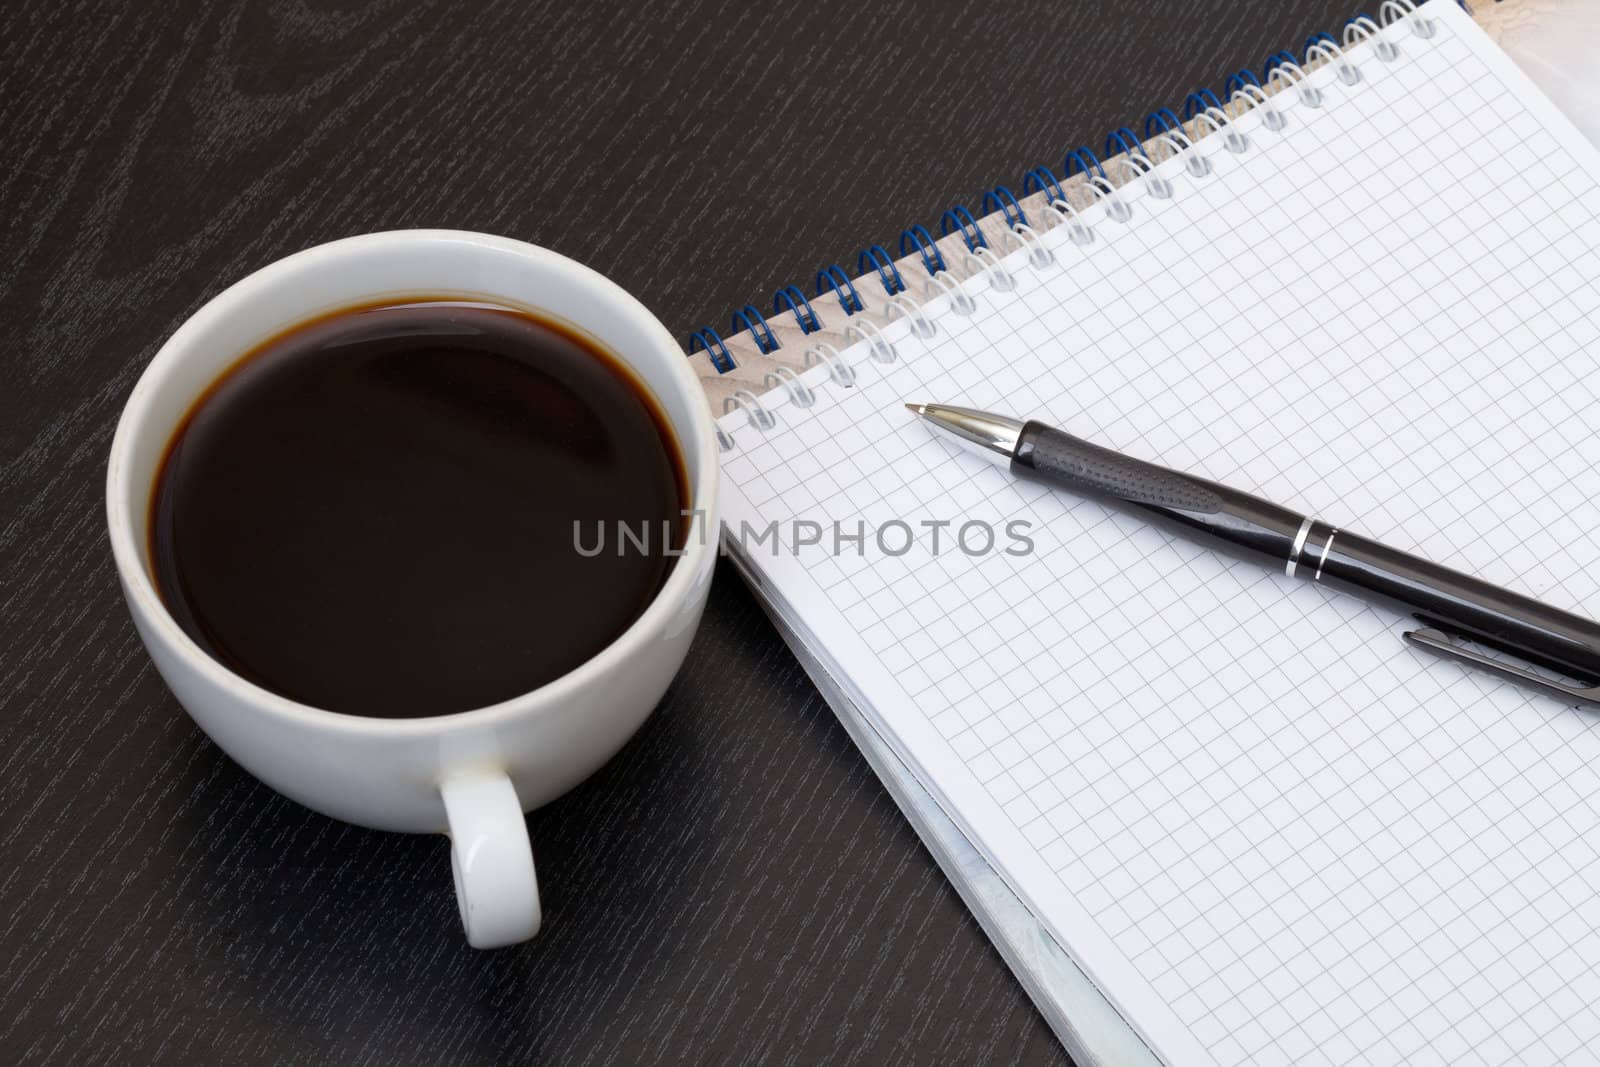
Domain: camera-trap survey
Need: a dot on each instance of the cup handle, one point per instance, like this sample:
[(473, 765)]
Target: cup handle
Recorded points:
[(492, 860)]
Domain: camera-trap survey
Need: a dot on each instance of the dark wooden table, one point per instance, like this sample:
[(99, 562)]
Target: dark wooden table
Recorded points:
[(735, 886)]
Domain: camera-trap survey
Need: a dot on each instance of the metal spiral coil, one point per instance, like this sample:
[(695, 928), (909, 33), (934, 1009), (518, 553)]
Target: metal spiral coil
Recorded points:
[(1135, 156)]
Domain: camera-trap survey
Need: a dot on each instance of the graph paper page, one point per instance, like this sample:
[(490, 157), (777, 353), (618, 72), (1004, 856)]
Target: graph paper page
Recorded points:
[(1267, 828)]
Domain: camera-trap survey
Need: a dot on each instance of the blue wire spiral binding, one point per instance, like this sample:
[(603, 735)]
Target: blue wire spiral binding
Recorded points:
[(711, 341), (878, 257), (1085, 159), (1039, 179), (1042, 179), (1123, 139), (839, 282), (959, 218), (1314, 39), (931, 257), (791, 299), (1005, 203), (1198, 101), (751, 318), (1348, 73), (1164, 115), (1274, 61), (1237, 81)]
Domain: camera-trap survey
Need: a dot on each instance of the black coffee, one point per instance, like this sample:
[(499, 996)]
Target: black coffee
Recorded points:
[(374, 512)]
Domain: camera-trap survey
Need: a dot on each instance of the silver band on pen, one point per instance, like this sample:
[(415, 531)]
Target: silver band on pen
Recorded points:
[(1327, 545), (1299, 543)]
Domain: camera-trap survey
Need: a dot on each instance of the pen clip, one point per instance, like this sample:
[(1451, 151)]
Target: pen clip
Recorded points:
[(1442, 643)]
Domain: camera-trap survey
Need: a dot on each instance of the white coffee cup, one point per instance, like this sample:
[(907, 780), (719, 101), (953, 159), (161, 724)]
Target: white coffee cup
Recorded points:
[(472, 774)]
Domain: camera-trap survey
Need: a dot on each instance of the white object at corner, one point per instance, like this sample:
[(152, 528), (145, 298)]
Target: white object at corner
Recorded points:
[(1553, 41)]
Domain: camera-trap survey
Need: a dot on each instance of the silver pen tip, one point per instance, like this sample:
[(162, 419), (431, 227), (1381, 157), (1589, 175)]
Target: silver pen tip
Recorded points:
[(992, 436)]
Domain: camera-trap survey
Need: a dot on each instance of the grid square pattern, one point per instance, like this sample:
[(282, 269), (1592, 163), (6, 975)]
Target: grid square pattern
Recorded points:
[(1272, 832)]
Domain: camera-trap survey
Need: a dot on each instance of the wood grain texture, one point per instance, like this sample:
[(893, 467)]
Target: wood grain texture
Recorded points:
[(735, 886)]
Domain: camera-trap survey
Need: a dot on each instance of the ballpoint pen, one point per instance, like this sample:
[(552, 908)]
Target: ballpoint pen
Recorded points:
[(1450, 608)]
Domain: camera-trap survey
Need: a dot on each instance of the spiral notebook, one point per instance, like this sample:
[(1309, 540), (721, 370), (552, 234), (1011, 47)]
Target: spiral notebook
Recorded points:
[(1210, 815)]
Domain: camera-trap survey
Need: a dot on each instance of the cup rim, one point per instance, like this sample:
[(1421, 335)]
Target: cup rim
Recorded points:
[(147, 603)]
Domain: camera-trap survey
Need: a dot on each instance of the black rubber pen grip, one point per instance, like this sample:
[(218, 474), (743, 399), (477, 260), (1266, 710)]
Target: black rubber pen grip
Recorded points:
[(1236, 523), (1073, 463)]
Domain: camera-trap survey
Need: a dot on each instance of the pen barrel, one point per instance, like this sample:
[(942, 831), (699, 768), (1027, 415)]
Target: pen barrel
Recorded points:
[(1246, 527), (1469, 607)]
